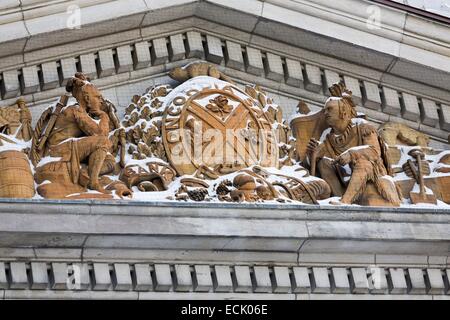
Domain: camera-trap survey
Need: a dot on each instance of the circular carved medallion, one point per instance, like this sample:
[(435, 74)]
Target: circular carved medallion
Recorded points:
[(210, 124)]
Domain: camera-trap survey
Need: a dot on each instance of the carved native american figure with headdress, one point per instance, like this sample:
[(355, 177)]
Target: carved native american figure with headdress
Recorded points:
[(353, 145)]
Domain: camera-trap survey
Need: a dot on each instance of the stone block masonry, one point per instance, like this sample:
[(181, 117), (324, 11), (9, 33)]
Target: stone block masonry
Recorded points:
[(271, 69), (255, 281)]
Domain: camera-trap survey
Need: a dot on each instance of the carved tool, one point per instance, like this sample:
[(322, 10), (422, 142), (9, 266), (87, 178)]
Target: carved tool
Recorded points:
[(51, 122), (313, 161), (422, 196), (123, 143)]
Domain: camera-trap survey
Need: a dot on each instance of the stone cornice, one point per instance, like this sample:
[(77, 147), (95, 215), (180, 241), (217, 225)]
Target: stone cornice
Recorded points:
[(291, 233), (307, 81), (406, 45), (122, 280)]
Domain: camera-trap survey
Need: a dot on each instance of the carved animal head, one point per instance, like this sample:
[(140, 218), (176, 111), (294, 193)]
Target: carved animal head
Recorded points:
[(423, 140), (178, 74)]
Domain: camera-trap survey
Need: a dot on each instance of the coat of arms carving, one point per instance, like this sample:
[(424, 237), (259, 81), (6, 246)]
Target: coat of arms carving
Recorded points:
[(215, 124)]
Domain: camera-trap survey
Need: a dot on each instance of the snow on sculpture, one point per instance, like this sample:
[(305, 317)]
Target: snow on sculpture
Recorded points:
[(356, 145), (366, 167), (208, 139), (77, 139)]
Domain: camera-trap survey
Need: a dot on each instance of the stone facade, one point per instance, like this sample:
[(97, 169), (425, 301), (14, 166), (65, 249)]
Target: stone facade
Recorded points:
[(133, 251), (295, 50)]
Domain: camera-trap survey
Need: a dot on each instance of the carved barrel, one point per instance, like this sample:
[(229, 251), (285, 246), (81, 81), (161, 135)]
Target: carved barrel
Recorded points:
[(16, 179)]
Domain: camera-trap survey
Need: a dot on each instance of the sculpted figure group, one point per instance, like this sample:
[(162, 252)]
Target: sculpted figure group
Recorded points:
[(80, 149)]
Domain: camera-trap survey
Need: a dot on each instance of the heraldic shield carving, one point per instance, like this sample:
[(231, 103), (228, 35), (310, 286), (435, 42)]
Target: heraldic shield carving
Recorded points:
[(209, 124)]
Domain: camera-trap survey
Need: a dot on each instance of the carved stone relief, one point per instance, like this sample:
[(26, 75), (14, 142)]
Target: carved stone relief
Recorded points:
[(209, 139)]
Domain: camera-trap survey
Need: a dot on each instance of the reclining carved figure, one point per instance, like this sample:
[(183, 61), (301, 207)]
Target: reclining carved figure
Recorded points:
[(395, 133), (196, 69)]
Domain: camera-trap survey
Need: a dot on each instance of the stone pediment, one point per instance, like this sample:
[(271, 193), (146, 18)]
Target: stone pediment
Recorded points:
[(188, 30), (402, 46), (216, 229), (205, 138)]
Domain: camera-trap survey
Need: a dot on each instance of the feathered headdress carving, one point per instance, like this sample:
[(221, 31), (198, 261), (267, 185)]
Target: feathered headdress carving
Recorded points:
[(346, 103)]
